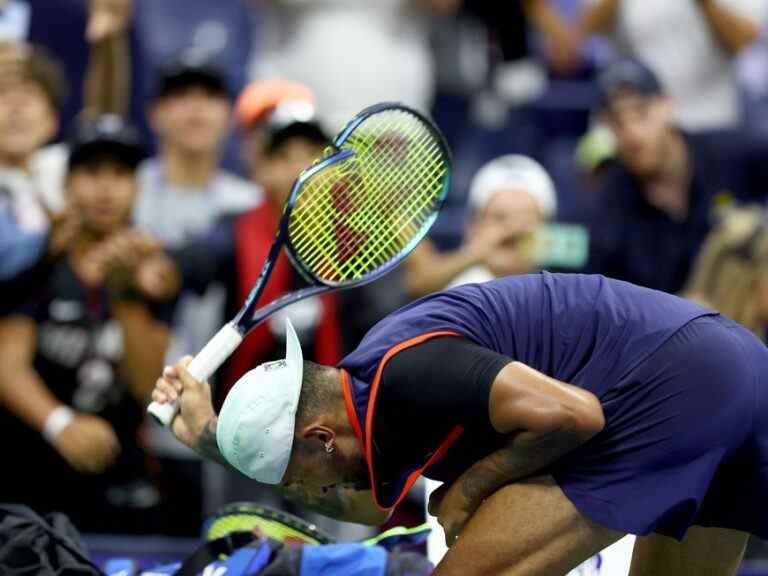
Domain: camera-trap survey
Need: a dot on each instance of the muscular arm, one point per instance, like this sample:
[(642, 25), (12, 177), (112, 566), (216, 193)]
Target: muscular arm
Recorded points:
[(22, 391), (732, 30), (545, 419), (553, 417)]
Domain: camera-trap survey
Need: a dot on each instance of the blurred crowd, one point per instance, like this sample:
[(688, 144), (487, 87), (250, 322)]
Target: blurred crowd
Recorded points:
[(147, 148)]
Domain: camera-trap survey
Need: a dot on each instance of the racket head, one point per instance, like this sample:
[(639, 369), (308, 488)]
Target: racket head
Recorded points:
[(361, 209), (269, 522)]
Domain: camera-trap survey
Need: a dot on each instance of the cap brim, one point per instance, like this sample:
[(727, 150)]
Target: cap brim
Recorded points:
[(294, 359)]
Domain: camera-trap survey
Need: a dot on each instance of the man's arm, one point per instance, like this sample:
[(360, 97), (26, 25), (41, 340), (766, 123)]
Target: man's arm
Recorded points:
[(546, 419), (107, 79), (22, 391), (598, 17), (562, 40), (732, 30)]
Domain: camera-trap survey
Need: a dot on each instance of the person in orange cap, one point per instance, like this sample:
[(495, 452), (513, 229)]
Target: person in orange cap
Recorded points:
[(282, 137)]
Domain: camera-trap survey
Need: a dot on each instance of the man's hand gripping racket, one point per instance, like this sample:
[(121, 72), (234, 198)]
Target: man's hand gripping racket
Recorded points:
[(351, 218)]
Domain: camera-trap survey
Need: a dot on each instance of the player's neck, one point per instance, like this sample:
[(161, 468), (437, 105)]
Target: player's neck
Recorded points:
[(188, 170)]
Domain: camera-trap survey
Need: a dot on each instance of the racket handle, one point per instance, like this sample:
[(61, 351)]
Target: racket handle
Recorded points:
[(201, 368)]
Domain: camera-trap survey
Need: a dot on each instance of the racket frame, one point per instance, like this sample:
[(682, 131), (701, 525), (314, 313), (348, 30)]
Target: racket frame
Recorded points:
[(248, 316)]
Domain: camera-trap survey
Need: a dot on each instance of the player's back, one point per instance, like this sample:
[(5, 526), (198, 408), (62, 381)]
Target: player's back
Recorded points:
[(587, 330)]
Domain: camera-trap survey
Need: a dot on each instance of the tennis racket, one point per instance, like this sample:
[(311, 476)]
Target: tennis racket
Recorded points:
[(351, 217), (271, 523)]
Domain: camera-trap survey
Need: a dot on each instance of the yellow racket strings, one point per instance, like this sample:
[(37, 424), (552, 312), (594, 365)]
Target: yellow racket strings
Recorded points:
[(248, 522), (357, 214)]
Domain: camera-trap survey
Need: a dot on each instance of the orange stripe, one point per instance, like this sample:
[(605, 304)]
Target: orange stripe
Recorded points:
[(453, 435), (351, 412), (372, 404)]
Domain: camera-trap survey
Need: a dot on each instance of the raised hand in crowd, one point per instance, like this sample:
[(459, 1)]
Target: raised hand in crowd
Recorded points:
[(107, 18), (131, 261), (88, 444)]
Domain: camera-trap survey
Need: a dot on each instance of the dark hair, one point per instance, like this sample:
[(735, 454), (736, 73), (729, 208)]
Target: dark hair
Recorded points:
[(317, 390)]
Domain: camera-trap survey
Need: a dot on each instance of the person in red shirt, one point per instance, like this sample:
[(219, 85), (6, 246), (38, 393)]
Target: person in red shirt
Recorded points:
[(282, 137)]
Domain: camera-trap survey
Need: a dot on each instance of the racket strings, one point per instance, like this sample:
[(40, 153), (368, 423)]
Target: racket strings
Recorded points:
[(397, 175), (376, 243), (374, 173), (405, 227)]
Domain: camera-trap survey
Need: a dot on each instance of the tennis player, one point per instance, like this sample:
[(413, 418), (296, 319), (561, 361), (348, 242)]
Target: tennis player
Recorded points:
[(561, 411)]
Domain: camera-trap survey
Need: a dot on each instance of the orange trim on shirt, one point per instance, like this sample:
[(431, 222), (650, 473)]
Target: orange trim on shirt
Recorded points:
[(372, 405), (453, 435), (346, 387)]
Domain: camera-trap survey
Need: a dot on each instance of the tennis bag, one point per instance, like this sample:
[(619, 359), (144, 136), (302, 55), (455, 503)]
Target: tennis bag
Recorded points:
[(32, 545), (248, 540)]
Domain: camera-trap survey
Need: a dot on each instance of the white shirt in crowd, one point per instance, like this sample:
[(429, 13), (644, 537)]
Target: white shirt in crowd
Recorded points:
[(176, 215), (674, 39), (41, 183), (351, 53)]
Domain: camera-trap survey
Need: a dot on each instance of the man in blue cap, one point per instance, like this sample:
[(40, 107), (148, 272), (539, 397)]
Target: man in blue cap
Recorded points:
[(560, 411), (656, 201)]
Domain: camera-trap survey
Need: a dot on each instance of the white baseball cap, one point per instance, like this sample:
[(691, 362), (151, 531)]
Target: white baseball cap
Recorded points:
[(514, 170), (256, 422)]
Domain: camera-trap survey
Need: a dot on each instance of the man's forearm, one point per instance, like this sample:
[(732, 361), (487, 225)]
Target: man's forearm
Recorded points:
[(732, 30), (528, 454), (207, 446)]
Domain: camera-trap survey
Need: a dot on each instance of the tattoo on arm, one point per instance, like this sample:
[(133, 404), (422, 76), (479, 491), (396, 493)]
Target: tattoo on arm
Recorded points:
[(207, 445), (526, 455)]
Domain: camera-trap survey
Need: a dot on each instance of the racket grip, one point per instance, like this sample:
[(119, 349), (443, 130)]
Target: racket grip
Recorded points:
[(201, 368)]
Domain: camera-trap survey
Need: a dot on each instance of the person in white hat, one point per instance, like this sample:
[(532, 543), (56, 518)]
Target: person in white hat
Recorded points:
[(509, 198)]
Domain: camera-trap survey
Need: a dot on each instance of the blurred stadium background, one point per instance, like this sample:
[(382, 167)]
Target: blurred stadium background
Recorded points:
[(632, 148)]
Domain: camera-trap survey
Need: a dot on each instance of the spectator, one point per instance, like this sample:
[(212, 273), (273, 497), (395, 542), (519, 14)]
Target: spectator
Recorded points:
[(80, 358), (730, 272), (183, 192), (697, 66), (351, 54), (656, 200), (282, 138), (32, 89), (510, 197)]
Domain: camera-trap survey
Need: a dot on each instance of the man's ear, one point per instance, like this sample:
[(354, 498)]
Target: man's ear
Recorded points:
[(318, 432)]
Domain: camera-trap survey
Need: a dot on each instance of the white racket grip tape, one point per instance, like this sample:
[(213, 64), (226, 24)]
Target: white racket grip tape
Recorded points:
[(202, 367)]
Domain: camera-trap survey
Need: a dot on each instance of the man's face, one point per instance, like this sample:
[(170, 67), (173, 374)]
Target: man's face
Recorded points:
[(640, 125), (277, 171), (102, 192), (515, 215), (312, 468), (194, 120), (27, 119)]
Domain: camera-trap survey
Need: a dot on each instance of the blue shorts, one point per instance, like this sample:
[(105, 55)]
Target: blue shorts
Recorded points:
[(685, 441)]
